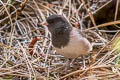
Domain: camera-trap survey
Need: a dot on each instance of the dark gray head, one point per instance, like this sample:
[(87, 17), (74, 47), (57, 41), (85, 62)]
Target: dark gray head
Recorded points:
[(60, 30), (57, 23)]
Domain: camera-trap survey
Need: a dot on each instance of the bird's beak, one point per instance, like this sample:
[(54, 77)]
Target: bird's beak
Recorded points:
[(45, 24)]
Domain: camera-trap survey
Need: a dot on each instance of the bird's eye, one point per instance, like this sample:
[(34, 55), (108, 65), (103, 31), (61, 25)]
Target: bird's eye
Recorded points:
[(50, 21)]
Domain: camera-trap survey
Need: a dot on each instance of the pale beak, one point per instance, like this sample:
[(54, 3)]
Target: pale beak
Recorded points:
[(45, 24)]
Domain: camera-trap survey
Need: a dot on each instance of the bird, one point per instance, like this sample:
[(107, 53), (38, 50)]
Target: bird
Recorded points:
[(67, 40)]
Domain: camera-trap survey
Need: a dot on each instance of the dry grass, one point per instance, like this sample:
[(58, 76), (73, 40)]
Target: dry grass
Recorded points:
[(21, 22)]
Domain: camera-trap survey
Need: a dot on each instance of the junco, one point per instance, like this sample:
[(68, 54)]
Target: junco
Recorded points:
[(67, 40)]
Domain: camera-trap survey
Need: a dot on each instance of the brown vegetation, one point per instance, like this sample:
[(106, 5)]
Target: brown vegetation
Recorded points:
[(25, 43)]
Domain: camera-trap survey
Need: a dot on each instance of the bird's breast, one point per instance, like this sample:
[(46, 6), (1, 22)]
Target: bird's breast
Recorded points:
[(76, 46)]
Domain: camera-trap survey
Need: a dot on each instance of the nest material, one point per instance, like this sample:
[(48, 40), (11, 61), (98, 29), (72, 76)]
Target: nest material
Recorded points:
[(26, 48)]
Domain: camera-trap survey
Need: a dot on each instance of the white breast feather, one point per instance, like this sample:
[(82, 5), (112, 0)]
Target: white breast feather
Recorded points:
[(77, 46)]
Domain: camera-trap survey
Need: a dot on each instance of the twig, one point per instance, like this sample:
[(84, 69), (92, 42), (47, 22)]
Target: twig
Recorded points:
[(116, 11), (104, 25)]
